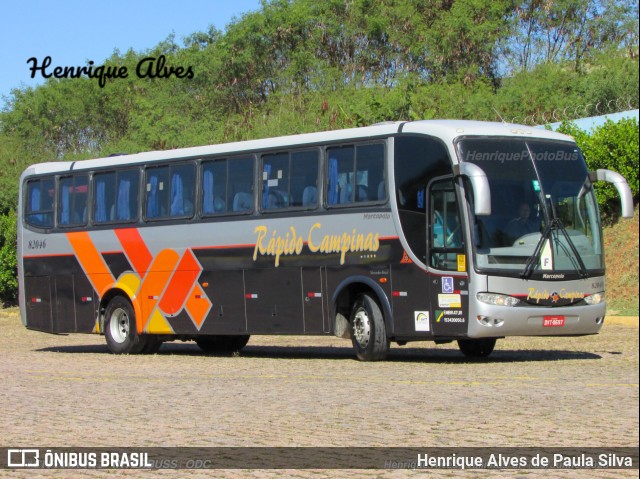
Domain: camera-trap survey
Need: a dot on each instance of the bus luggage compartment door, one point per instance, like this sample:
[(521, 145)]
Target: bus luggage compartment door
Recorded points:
[(38, 303), (273, 300), (65, 317), (312, 300)]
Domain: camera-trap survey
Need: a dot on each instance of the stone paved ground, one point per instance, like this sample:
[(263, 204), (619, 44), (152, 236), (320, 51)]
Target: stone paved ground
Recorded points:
[(297, 391)]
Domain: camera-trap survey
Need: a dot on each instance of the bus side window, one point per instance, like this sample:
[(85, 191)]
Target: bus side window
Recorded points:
[(39, 203), (340, 177), (370, 173), (157, 181), (289, 180), (275, 181), (115, 196), (104, 199), (170, 191), (355, 174), (303, 191), (240, 184), (214, 187), (127, 197), (72, 200), (182, 192)]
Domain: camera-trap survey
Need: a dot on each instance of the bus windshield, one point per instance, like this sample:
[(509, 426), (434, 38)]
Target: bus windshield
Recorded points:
[(543, 210)]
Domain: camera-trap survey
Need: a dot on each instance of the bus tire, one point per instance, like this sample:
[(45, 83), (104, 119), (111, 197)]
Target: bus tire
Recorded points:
[(222, 345), (477, 348), (120, 328), (368, 332)]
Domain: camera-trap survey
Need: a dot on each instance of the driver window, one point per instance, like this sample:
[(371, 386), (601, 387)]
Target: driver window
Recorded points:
[(445, 226)]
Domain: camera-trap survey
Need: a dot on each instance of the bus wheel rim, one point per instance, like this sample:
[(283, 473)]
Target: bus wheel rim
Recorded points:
[(119, 325), (362, 327)]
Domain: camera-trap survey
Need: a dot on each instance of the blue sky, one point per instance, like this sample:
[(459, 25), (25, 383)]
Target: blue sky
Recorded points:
[(72, 32)]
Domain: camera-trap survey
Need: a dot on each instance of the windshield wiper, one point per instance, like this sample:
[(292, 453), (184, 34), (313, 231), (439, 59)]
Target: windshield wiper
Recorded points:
[(554, 224), (581, 268), (535, 257)]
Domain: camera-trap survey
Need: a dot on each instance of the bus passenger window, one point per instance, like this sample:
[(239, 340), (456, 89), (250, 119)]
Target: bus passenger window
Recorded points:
[(340, 186), (127, 195), (240, 184), (356, 174), (157, 192), (169, 191), (39, 203), (73, 201), (182, 181), (275, 181), (370, 172), (303, 190), (104, 198), (214, 187), (115, 196), (289, 180)]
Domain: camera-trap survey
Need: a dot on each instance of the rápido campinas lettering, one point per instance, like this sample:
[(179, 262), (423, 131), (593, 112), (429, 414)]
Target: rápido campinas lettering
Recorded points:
[(272, 243), (555, 295)]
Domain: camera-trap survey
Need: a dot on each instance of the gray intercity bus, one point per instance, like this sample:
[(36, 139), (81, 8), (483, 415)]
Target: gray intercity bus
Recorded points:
[(403, 231)]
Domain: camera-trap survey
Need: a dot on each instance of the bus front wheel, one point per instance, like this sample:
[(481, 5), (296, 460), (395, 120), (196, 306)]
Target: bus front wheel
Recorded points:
[(368, 333), (477, 348), (120, 328)]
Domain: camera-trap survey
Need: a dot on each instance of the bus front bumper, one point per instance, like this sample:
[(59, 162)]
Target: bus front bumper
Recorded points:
[(501, 321)]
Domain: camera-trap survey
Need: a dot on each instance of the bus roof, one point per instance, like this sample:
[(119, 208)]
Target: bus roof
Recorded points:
[(447, 130)]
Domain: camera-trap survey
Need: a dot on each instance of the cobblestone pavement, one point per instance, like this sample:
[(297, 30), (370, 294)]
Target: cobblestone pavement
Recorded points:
[(300, 391)]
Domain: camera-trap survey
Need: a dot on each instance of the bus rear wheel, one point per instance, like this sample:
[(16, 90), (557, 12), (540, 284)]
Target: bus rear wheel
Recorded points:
[(477, 348), (120, 328), (368, 333), (222, 345)]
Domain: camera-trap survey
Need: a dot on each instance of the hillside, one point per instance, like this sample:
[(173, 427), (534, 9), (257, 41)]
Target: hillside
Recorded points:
[(621, 250)]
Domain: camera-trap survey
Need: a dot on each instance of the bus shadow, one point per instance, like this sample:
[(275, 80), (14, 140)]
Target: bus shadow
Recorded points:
[(76, 349), (406, 355), (498, 356), (422, 355)]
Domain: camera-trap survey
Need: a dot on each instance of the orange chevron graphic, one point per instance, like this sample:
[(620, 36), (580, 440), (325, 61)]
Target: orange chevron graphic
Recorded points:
[(158, 287), (135, 248), (180, 284), (94, 266)]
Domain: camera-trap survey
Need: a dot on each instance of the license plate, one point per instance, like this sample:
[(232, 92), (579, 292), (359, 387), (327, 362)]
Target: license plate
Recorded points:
[(553, 321)]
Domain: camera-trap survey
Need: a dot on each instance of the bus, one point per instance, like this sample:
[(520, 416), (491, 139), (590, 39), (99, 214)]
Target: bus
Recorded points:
[(402, 231)]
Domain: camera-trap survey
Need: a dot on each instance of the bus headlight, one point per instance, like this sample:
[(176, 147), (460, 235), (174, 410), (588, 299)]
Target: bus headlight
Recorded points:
[(497, 299), (595, 298)]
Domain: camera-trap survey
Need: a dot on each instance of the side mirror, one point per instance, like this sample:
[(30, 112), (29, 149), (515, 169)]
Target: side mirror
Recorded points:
[(480, 185), (626, 198)]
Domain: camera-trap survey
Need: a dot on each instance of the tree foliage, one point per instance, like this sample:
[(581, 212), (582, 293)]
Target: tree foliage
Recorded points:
[(549, 31), (8, 261), (612, 146)]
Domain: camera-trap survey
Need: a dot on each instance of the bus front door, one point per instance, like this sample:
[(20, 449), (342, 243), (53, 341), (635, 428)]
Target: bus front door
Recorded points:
[(447, 262)]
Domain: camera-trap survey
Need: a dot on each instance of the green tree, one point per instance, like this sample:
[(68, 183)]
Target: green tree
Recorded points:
[(546, 31), (612, 146), (8, 262)]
